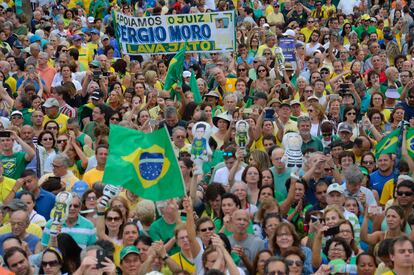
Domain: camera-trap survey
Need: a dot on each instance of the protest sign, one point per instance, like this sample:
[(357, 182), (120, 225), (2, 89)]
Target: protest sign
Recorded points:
[(288, 47), (206, 32)]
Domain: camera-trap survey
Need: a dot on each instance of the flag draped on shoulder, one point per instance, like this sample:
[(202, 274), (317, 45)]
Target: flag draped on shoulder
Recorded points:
[(143, 163), (175, 70), (388, 144)]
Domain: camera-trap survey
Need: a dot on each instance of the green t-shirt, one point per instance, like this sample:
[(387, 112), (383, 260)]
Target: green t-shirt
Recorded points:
[(160, 230), (279, 181), (14, 165)]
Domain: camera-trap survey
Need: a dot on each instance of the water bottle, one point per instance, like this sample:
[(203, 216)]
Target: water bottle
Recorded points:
[(280, 58), (347, 268)]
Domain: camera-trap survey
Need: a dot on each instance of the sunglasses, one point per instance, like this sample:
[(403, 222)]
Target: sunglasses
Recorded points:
[(407, 194), (261, 71), (50, 263), (61, 141), (291, 262), (113, 219), (75, 205), (242, 70), (227, 154), (47, 139), (326, 134), (207, 229), (368, 162), (19, 117), (324, 72), (115, 118), (328, 169), (351, 114)]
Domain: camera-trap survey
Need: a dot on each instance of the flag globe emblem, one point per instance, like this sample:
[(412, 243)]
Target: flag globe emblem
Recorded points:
[(150, 164)]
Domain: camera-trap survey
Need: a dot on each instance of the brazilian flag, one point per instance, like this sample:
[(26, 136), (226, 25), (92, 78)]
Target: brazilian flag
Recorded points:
[(194, 88), (388, 144), (175, 69), (144, 164), (410, 142)]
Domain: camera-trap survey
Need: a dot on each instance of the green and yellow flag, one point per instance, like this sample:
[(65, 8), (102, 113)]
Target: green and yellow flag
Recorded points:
[(194, 88), (175, 69), (410, 141), (388, 144), (143, 163)]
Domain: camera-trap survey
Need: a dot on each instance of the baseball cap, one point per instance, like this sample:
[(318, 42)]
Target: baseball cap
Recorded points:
[(345, 127), (104, 37), (313, 97), (15, 204), (276, 4), (80, 187), (91, 19), (392, 93), (212, 94), (96, 95), (388, 36), (335, 187), (16, 112), (299, 44), (76, 37), (289, 33), (186, 74), (95, 31), (17, 44), (35, 38), (128, 250), (294, 102), (365, 17), (51, 102), (95, 63), (285, 103)]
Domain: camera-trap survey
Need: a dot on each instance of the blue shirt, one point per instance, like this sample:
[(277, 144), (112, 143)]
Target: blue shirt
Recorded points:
[(30, 239), (378, 181), (44, 203)]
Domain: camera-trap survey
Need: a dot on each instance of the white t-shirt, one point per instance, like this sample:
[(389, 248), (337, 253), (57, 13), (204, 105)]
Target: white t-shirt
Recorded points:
[(347, 6), (222, 175)]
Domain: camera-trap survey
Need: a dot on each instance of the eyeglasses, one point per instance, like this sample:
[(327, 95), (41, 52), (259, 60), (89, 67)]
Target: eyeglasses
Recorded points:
[(227, 154), (267, 53), (207, 229), (337, 249), (308, 91), (368, 162), (75, 206), (50, 263), (407, 194), (61, 141), (329, 169), (351, 113), (47, 139), (113, 219), (18, 116), (241, 69), (93, 198), (261, 71), (310, 21), (291, 262)]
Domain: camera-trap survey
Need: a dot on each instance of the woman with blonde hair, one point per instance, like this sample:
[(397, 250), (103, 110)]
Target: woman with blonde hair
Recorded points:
[(260, 159), (145, 214), (151, 81)]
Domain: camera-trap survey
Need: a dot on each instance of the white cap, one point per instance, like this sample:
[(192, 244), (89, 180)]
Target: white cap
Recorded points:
[(289, 33), (335, 187), (91, 19), (265, 25), (186, 74)]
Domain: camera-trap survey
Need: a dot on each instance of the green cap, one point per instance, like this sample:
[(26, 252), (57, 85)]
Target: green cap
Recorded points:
[(95, 63), (364, 170), (128, 250)]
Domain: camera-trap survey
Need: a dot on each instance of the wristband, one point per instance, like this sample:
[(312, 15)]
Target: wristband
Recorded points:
[(165, 257), (100, 213)]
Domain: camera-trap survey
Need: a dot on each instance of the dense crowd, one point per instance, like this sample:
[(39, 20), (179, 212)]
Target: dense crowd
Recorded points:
[(309, 162)]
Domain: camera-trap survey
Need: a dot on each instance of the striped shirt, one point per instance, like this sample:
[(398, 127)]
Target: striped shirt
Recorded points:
[(83, 232)]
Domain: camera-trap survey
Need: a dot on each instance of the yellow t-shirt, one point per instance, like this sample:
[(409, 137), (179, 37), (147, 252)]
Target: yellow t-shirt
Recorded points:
[(93, 176), (6, 187), (264, 47), (307, 32), (131, 204), (387, 192), (11, 81), (183, 262), (229, 87), (62, 120), (31, 229)]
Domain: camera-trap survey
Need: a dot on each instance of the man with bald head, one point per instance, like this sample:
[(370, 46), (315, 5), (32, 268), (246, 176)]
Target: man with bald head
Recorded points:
[(280, 174), (244, 244)]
